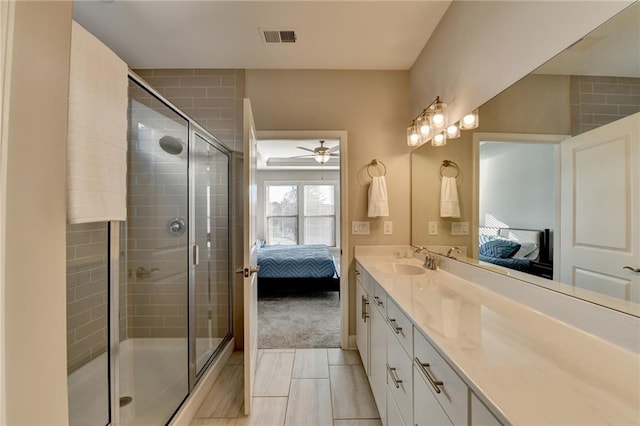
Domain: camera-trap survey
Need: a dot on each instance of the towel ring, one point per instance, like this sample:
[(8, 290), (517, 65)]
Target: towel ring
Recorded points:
[(375, 163), (449, 163)]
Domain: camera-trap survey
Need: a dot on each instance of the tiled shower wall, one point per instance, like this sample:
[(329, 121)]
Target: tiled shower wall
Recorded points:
[(211, 97), (156, 192), (600, 100), (87, 280)]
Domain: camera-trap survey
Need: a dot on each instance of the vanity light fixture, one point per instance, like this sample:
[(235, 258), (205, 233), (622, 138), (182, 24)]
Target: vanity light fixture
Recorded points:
[(453, 131), (413, 135), (439, 139), (470, 121), (432, 124)]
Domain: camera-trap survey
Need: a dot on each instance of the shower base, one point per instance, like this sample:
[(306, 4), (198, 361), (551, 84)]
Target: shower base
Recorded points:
[(153, 372)]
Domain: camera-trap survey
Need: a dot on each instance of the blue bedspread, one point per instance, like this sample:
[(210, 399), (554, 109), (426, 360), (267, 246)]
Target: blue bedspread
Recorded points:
[(290, 261)]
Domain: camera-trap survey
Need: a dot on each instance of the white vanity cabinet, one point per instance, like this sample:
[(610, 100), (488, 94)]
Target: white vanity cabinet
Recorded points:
[(480, 414), (446, 386), (411, 382), (426, 410), (378, 351), (363, 329)]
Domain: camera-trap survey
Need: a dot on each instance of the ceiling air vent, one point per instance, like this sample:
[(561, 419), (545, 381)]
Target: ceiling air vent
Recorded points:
[(278, 36)]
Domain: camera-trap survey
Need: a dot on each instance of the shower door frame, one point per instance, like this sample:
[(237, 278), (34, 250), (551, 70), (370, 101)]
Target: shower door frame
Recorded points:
[(194, 374), (114, 248)]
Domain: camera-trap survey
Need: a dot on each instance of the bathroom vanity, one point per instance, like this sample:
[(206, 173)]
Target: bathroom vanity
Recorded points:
[(440, 349)]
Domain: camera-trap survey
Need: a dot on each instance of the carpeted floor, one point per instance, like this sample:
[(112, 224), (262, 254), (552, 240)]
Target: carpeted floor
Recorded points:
[(299, 321)]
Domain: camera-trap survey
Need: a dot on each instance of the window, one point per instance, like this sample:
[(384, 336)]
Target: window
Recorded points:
[(301, 213)]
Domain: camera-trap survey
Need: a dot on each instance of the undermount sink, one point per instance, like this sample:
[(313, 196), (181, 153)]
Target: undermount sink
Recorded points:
[(401, 269)]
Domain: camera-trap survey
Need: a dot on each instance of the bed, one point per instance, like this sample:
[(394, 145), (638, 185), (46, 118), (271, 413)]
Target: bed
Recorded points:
[(296, 268), (526, 250)]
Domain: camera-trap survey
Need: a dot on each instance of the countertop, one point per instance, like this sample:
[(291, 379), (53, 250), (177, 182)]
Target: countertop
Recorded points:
[(529, 367)]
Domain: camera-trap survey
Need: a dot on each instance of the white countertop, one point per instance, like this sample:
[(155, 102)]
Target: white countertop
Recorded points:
[(534, 369)]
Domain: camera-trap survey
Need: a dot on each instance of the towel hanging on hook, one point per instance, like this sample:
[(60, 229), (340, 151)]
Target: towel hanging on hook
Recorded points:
[(378, 197)]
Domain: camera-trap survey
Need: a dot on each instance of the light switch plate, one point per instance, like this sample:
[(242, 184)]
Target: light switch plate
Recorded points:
[(433, 228), (388, 227), (459, 228), (360, 228)]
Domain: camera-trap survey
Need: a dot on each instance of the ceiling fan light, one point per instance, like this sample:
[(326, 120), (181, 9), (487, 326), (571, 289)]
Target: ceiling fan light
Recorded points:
[(322, 157)]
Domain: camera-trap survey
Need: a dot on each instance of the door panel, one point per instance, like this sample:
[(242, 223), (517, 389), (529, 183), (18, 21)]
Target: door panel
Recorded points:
[(250, 257), (600, 178)]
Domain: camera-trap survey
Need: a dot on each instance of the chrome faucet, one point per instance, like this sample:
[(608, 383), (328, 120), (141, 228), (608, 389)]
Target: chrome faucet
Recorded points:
[(454, 248), (420, 248), (430, 262)]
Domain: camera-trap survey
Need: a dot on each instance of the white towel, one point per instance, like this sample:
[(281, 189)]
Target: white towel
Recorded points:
[(449, 205), (378, 199), (97, 131)]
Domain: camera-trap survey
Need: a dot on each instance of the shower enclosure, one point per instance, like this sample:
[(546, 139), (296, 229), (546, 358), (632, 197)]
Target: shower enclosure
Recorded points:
[(149, 299)]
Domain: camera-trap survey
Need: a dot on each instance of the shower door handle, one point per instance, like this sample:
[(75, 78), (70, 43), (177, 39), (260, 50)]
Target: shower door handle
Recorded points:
[(196, 255)]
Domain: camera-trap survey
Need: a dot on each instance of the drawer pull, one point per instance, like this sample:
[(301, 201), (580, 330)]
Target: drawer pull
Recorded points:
[(434, 383), (392, 373), (365, 315), (378, 301), (395, 326)]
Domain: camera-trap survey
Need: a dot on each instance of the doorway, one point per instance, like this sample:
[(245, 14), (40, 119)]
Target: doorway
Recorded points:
[(301, 188)]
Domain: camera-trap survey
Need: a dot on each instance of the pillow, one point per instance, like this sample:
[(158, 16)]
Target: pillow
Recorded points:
[(260, 243), (526, 249), (499, 248)]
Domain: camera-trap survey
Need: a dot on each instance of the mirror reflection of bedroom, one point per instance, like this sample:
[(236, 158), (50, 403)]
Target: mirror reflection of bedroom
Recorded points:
[(298, 230), (517, 204)]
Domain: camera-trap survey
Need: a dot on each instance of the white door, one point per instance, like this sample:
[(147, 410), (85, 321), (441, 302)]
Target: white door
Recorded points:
[(250, 284), (600, 211)]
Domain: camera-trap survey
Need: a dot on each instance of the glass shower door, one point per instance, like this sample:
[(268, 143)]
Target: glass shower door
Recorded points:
[(153, 360), (210, 228)]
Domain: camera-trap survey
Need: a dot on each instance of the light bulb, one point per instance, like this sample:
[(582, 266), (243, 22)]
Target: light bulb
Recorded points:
[(440, 139), (470, 121), (453, 131), (413, 135), (438, 119)]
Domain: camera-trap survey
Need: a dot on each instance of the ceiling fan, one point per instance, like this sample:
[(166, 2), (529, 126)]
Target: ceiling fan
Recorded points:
[(321, 154)]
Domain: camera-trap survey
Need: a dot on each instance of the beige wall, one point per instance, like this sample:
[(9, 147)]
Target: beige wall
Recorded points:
[(373, 107), (36, 373), (482, 47), (537, 104)]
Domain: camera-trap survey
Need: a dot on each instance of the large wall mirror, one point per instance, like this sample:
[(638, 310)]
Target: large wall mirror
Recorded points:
[(549, 184)]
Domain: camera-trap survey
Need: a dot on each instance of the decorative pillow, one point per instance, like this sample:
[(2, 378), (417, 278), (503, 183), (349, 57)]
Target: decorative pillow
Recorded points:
[(526, 248), (500, 248), (260, 243)]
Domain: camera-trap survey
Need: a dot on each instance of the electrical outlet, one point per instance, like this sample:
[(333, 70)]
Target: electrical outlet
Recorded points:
[(388, 227), (459, 228), (360, 228), (433, 228)]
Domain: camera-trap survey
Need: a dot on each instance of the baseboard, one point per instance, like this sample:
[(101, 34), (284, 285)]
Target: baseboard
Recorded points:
[(193, 402), (352, 342)]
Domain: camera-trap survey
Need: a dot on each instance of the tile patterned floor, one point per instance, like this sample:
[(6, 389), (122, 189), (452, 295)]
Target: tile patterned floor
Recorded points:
[(293, 387)]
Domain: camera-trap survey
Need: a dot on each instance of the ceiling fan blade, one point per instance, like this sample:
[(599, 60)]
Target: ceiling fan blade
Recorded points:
[(335, 149), (302, 156), (306, 149)]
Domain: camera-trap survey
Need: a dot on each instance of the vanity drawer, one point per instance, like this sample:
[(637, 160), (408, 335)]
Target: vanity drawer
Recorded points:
[(400, 324), (359, 270), (426, 410), (400, 377), (379, 298), (453, 392)]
